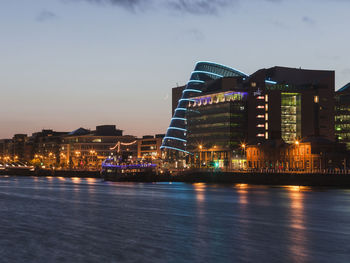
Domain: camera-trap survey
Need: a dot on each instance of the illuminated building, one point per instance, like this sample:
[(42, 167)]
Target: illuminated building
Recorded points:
[(279, 103), (342, 115), (309, 154), (83, 148), (148, 147), (217, 125), (297, 103), (175, 138), (45, 147)]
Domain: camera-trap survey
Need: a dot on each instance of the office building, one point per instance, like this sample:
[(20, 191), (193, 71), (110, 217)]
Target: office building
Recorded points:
[(342, 115), (148, 148), (278, 103)]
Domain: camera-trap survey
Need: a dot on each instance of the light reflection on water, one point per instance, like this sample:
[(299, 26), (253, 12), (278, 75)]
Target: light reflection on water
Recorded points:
[(298, 239), (48, 219)]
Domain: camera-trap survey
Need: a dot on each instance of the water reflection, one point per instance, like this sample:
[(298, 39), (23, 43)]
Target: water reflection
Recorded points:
[(199, 189), (76, 180), (297, 233), (91, 180)]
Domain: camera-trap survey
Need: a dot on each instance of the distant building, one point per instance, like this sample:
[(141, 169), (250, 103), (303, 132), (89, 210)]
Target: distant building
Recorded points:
[(148, 147), (342, 115), (83, 148), (5, 147), (45, 147)]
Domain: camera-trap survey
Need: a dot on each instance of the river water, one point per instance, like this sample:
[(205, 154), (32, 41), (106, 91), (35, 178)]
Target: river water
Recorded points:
[(87, 220)]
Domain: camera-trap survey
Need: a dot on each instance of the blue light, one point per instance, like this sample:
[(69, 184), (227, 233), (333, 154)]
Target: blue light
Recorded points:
[(270, 82), (223, 66), (128, 166), (176, 128), (174, 138), (173, 148), (206, 72), (176, 118), (192, 90), (184, 109), (187, 100), (195, 81)]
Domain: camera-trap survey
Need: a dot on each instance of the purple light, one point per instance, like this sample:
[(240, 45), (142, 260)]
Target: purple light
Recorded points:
[(129, 166)]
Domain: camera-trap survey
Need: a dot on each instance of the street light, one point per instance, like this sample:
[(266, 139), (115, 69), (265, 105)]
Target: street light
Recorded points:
[(298, 154), (200, 157), (243, 146)]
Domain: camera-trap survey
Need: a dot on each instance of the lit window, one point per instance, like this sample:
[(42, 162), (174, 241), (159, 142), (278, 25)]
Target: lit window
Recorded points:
[(260, 116), (260, 97), (260, 135), (316, 99), (260, 125), (266, 126), (266, 98), (266, 116), (266, 107), (260, 107), (266, 135), (253, 84)]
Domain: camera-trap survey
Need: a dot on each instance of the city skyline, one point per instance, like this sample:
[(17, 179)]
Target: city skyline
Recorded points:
[(70, 64)]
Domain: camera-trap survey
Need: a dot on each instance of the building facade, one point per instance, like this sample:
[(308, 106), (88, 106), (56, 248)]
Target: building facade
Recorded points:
[(342, 115), (279, 103), (176, 135), (148, 147), (217, 128), (85, 149), (309, 154)]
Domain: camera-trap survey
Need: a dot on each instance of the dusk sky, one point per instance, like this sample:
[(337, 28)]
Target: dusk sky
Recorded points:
[(67, 64)]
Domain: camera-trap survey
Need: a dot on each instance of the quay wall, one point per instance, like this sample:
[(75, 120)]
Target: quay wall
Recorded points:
[(301, 179)]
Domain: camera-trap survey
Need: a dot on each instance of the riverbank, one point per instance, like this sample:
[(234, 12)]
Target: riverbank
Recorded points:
[(299, 179), (314, 179), (55, 173)]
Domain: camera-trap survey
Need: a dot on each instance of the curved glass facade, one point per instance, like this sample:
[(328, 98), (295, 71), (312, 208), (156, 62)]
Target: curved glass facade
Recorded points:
[(176, 134)]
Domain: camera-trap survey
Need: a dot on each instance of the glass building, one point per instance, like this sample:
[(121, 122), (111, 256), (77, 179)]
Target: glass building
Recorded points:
[(342, 115), (290, 116), (176, 135), (217, 125)]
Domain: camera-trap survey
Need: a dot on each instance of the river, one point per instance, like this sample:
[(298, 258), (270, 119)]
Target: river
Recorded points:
[(46, 219)]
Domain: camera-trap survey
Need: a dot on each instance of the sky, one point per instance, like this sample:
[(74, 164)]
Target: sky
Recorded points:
[(66, 64)]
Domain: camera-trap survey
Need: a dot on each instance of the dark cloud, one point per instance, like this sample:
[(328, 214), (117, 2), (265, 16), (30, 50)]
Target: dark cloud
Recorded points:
[(45, 15), (199, 7), (131, 5)]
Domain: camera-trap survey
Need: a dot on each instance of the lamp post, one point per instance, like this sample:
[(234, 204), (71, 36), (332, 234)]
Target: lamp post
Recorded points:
[(243, 146), (297, 145), (200, 155)]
